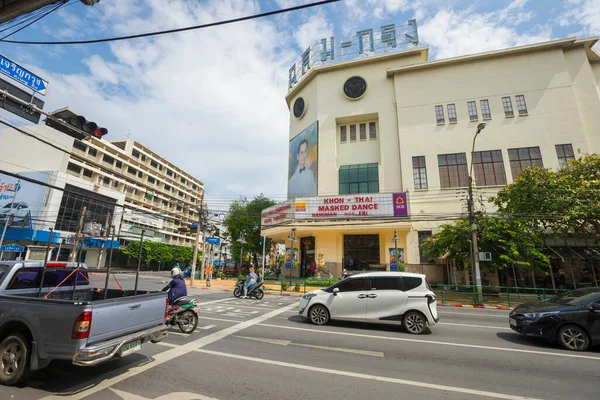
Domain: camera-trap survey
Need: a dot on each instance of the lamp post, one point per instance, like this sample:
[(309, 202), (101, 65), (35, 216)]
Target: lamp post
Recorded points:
[(395, 240), (12, 204), (292, 238), (473, 226), (242, 240)]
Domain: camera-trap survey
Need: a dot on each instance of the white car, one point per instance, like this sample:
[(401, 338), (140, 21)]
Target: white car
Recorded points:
[(17, 215), (375, 297)]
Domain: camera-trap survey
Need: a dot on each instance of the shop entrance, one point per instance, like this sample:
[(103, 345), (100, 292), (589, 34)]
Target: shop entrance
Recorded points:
[(307, 256), (360, 252)]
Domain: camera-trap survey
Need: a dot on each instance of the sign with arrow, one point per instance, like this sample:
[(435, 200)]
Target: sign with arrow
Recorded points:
[(23, 76)]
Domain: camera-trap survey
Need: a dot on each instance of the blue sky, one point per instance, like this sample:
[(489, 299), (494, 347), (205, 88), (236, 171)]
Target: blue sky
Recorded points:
[(212, 101)]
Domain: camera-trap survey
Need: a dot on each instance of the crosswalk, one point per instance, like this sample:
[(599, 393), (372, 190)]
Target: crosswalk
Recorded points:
[(242, 308)]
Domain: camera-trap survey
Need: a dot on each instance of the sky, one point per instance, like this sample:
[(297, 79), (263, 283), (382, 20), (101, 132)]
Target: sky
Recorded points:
[(212, 101)]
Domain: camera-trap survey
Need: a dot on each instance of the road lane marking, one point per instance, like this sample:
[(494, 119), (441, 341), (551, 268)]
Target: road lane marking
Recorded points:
[(469, 313), (312, 369), (313, 346), (111, 378), (220, 319), (167, 344), (474, 326), (207, 327), (211, 302), (473, 346)]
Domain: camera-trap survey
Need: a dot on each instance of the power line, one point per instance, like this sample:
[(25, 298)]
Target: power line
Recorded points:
[(37, 19), (189, 28)]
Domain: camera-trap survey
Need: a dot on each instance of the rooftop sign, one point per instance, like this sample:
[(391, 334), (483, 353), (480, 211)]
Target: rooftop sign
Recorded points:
[(364, 43)]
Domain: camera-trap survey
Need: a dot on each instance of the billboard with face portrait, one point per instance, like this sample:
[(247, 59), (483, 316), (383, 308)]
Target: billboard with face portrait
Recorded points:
[(303, 163)]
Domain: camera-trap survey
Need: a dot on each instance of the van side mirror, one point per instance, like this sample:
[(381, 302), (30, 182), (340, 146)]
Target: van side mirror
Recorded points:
[(336, 291), (594, 307)]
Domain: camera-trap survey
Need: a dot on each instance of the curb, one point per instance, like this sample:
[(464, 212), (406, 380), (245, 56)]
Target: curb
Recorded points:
[(503, 308)]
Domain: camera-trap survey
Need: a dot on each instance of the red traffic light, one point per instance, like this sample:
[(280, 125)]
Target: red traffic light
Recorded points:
[(99, 132)]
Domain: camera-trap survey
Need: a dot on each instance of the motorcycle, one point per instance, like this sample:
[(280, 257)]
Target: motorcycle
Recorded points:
[(257, 290), (182, 314)]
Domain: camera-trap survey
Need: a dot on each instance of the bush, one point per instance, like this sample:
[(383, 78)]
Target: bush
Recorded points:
[(321, 282), (284, 285), (242, 278)]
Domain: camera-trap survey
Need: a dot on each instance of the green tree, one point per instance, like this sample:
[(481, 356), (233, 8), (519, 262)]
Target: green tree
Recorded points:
[(245, 215)]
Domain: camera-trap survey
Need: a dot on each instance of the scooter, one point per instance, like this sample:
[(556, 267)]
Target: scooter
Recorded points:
[(257, 290), (182, 314)]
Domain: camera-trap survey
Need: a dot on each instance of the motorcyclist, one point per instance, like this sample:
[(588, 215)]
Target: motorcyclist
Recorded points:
[(250, 280), (177, 287)]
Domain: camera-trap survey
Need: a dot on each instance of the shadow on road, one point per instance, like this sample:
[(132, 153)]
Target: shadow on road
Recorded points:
[(357, 325)]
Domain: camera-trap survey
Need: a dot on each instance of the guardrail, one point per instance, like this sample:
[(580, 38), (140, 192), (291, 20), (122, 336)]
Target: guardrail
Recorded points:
[(493, 294)]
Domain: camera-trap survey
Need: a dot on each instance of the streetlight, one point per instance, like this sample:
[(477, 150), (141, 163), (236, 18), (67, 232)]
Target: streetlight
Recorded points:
[(292, 238), (395, 240), (471, 207), (242, 241)]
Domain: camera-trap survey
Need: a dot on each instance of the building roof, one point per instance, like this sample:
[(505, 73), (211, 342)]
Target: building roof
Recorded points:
[(572, 42)]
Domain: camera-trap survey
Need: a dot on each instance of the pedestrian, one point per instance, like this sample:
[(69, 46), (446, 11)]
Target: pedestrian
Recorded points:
[(209, 271)]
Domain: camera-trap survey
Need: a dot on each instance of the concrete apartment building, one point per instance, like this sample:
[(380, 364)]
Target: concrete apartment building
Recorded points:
[(159, 196), (394, 143)]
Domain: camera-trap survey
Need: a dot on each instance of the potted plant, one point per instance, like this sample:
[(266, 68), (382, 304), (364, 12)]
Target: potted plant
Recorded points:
[(284, 285), (297, 286)]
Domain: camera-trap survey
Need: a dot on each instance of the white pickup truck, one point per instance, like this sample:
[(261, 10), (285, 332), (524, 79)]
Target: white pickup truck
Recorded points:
[(67, 318)]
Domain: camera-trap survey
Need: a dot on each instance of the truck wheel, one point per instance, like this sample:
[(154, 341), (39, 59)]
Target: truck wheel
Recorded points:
[(14, 359)]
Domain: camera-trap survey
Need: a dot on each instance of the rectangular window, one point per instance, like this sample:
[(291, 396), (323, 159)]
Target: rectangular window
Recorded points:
[(363, 131), (508, 109), (423, 235), (106, 180), (140, 174), (372, 130), (108, 159), (169, 172), (472, 107), (521, 105), (439, 114), (151, 179), (360, 251), (143, 157), (488, 168), (522, 158), (565, 154), (87, 172), (167, 188), (486, 112), (419, 172), (79, 146), (386, 284), (119, 164), (453, 170), (452, 113), (131, 170), (343, 136), (74, 168), (92, 152), (153, 164), (135, 153), (359, 178), (352, 133)]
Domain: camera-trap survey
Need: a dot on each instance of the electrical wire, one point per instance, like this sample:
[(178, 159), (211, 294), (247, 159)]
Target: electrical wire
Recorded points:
[(37, 19), (189, 28)]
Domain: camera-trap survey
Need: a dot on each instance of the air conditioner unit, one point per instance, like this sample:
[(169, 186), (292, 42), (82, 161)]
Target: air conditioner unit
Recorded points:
[(485, 256)]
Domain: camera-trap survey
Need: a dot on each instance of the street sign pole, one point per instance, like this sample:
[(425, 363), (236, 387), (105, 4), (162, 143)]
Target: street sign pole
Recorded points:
[(263, 257), (7, 217)]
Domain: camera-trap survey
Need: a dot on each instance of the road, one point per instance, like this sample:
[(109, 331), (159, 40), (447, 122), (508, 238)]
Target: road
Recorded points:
[(263, 350)]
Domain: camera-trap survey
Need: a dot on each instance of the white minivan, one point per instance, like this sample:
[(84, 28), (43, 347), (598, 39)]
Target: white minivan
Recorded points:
[(375, 297)]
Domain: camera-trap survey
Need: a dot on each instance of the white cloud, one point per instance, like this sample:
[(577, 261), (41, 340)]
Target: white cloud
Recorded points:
[(450, 33), (585, 13), (315, 28)]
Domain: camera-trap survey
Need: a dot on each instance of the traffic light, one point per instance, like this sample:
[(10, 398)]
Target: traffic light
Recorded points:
[(67, 121)]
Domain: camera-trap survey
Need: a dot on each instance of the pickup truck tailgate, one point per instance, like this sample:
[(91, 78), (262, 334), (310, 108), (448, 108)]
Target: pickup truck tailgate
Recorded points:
[(120, 316)]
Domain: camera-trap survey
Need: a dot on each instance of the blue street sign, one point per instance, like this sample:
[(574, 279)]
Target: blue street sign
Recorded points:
[(21, 75), (15, 248), (213, 240)]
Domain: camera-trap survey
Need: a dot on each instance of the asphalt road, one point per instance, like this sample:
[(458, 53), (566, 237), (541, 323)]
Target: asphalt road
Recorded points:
[(263, 350)]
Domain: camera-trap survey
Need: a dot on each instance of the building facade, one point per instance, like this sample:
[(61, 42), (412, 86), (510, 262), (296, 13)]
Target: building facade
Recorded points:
[(388, 140), (120, 183)]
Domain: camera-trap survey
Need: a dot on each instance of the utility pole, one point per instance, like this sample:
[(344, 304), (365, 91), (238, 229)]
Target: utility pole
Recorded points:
[(196, 242), (471, 208), (79, 229), (7, 217), (104, 235)]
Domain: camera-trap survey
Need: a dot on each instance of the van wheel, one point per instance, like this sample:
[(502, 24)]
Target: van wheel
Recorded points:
[(414, 322), (319, 315), (572, 337), (14, 359)]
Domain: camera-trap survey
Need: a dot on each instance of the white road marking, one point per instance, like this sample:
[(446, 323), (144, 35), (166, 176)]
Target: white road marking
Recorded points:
[(475, 326), (181, 334), (313, 346), (253, 312), (279, 304), (234, 315), (505, 316), (211, 301), (220, 319), (178, 395), (167, 344), (205, 328), (113, 377), (312, 369), (473, 346)]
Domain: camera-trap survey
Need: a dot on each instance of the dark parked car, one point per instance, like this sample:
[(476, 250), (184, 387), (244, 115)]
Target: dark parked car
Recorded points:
[(572, 319)]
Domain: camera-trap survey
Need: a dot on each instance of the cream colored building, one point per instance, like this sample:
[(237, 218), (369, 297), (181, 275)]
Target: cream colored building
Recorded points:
[(412, 131)]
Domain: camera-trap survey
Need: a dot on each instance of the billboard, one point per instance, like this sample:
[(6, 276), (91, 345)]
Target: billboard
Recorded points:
[(142, 218), (303, 163), (372, 205), (277, 214), (24, 212)]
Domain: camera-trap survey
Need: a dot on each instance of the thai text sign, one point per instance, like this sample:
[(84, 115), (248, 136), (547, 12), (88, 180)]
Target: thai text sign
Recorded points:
[(21, 75), (352, 206), (277, 214)]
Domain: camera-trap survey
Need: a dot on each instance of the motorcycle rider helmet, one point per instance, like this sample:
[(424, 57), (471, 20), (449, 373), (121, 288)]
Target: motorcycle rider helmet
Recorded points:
[(175, 271)]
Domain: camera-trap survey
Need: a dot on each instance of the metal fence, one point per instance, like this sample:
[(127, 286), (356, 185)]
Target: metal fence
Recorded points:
[(509, 295)]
